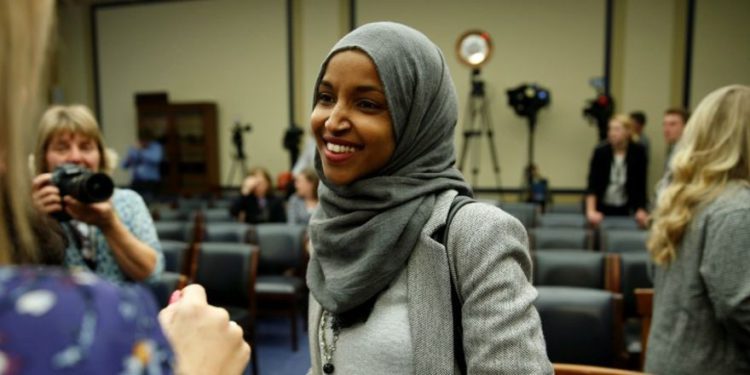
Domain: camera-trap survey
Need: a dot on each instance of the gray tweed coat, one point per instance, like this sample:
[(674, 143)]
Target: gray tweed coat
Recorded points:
[(502, 331), (701, 317)]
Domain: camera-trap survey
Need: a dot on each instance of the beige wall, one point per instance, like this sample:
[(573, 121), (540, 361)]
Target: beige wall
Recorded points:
[(233, 52), (721, 52), (558, 44), (648, 32)]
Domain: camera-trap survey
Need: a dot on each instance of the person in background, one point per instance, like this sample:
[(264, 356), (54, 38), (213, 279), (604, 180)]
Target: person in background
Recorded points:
[(145, 160), (115, 238), (673, 125), (58, 321), (383, 118), (305, 199), (639, 123), (700, 243), (257, 202), (617, 176)]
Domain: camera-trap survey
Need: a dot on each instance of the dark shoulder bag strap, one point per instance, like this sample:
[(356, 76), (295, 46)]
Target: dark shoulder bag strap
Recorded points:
[(442, 236)]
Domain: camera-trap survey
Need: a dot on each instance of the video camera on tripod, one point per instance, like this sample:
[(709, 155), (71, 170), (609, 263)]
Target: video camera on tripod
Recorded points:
[(600, 109), (237, 138)]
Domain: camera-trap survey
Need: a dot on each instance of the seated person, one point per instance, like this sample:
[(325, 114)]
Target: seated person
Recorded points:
[(115, 238), (617, 176), (258, 204), (305, 199)]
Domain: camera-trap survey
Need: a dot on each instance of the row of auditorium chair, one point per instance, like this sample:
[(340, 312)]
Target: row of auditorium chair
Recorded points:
[(247, 269), (586, 298)]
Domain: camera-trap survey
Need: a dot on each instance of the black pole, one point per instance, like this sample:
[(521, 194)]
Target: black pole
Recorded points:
[(290, 57), (608, 45), (95, 63), (352, 14), (687, 78)]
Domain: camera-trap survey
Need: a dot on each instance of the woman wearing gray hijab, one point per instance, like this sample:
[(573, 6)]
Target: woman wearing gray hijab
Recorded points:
[(383, 119)]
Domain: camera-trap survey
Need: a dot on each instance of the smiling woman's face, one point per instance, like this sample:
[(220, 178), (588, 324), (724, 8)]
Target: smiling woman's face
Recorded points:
[(351, 120)]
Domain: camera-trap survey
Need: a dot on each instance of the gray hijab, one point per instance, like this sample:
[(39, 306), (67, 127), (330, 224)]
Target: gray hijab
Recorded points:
[(363, 233)]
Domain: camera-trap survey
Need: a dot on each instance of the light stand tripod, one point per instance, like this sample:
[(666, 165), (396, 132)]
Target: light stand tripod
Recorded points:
[(238, 159), (477, 107)]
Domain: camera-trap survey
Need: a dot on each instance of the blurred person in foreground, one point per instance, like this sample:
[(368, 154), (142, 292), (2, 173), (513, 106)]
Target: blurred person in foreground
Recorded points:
[(60, 321), (700, 243)]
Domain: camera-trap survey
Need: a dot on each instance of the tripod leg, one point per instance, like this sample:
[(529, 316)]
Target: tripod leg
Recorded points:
[(491, 140), (468, 131)]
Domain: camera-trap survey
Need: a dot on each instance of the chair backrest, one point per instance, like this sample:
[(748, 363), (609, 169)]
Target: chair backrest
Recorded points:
[(619, 222), (623, 240), (560, 238), (281, 247), (525, 212), (581, 325), (228, 271), (173, 214), (562, 220), (229, 232), (217, 215), (175, 254), (575, 268), (177, 230), (566, 208), (633, 275)]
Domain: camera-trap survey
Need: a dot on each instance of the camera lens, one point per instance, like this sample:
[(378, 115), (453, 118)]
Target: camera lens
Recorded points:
[(96, 188)]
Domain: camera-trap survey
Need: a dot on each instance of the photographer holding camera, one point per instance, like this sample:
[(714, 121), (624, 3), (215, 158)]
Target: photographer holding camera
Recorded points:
[(112, 236)]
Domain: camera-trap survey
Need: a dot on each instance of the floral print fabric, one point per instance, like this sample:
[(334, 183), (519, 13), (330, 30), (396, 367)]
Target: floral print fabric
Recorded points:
[(56, 321)]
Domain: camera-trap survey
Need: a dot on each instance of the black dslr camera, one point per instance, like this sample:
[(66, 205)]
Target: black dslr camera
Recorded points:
[(81, 184)]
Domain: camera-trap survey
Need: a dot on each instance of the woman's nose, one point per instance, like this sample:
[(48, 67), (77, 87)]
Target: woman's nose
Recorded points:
[(338, 121), (74, 156)]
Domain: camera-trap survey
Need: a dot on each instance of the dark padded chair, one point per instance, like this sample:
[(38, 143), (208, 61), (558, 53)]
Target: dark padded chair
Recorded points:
[(623, 240), (581, 325), (229, 232), (228, 272), (562, 220), (560, 238), (180, 257), (618, 222), (173, 214), (565, 208), (281, 286), (213, 215), (574, 268), (176, 230), (525, 212), (163, 287), (633, 275)]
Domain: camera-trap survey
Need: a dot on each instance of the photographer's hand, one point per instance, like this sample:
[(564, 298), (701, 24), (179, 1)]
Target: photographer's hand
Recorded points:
[(45, 195), (100, 214), (135, 258)]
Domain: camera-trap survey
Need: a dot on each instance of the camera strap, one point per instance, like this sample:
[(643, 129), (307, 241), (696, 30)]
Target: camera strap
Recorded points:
[(83, 240)]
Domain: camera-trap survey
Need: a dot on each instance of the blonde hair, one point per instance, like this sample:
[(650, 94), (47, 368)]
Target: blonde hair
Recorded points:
[(73, 119), (714, 150), (25, 30), (626, 122)]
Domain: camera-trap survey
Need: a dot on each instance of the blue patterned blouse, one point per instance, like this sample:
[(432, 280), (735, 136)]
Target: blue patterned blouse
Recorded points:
[(133, 212), (56, 321)]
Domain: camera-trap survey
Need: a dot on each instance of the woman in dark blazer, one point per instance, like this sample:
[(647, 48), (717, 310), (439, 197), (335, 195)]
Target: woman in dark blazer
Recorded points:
[(258, 204), (617, 176)]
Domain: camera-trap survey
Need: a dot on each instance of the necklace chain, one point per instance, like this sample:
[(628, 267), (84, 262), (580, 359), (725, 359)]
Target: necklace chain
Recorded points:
[(328, 321)]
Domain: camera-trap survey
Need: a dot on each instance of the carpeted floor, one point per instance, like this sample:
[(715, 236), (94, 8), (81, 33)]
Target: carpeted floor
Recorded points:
[(274, 348)]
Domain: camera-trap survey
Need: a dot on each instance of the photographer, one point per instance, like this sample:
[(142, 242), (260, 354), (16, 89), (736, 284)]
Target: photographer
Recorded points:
[(114, 238), (257, 202)]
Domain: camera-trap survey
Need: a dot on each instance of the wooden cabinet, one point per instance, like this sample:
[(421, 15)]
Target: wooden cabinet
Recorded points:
[(188, 132)]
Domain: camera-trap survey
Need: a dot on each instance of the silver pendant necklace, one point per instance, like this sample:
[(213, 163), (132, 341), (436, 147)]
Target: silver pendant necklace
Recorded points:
[(328, 321)]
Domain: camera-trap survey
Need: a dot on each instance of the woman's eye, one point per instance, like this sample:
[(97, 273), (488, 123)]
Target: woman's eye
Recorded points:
[(369, 105), (325, 98)]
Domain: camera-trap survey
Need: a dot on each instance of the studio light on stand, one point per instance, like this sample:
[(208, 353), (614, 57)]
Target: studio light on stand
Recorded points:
[(473, 49), (526, 101), (600, 109)]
